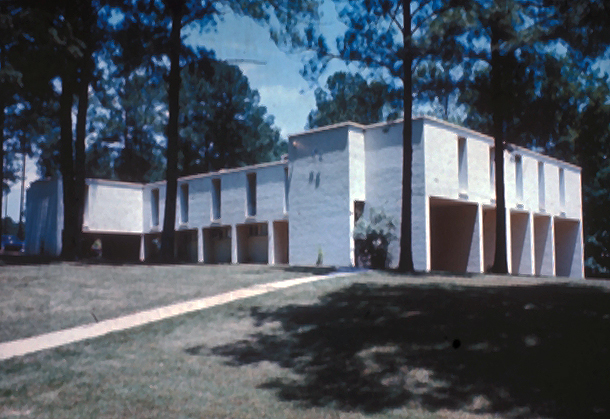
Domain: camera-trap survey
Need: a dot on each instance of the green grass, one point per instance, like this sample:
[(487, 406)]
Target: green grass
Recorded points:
[(373, 345), (44, 298)]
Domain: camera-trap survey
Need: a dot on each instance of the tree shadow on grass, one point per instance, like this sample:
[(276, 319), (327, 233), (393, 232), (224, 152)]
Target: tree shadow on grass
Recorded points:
[(313, 270), (520, 351)]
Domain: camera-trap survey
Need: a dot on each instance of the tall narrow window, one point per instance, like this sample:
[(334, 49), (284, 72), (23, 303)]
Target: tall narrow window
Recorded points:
[(286, 189), (562, 188), (492, 169), (519, 176), (216, 199), (358, 210), (184, 203), (251, 194), (541, 187), (86, 206), (462, 163), (154, 207)]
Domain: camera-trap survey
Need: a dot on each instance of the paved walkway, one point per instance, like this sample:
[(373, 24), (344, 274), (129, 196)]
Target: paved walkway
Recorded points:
[(89, 331)]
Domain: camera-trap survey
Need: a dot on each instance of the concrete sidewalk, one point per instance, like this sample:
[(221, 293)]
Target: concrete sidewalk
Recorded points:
[(89, 331)]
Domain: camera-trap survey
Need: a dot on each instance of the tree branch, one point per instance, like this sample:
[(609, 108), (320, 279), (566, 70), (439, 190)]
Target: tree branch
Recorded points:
[(393, 16)]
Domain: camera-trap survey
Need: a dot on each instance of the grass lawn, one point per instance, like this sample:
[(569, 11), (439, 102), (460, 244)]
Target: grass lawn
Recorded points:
[(36, 299), (373, 345)]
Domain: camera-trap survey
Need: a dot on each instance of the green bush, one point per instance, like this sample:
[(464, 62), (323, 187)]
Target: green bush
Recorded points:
[(373, 236)]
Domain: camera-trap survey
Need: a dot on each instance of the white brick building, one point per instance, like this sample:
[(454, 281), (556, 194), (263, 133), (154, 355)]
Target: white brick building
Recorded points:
[(299, 210)]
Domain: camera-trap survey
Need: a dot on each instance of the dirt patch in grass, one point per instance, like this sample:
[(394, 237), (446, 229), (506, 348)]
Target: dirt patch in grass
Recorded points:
[(39, 299), (367, 346)]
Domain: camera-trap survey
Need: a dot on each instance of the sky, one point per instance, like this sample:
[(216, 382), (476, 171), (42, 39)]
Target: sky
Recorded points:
[(271, 71)]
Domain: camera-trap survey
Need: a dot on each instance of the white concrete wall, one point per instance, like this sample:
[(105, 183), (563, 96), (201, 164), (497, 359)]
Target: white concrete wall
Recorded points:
[(320, 196), (531, 199), (442, 180), (441, 157), (384, 150), (357, 180), (329, 169), (113, 207), (269, 197), (44, 218), (147, 221)]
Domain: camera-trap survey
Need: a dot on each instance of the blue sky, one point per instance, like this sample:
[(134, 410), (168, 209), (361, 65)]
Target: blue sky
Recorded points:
[(287, 96)]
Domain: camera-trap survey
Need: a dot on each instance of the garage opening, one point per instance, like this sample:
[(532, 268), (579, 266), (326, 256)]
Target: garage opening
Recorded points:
[(567, 234), (186, 246), (454, 236), (520, 237), (280, 242), (252, 243), (489, 238), (217, 245), (543, 247), (152, 247), (115, 247)]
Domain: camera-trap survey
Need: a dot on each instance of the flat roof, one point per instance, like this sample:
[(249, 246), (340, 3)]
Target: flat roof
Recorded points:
[(223, 171), (115, 182), (450, 125), (523, 150)]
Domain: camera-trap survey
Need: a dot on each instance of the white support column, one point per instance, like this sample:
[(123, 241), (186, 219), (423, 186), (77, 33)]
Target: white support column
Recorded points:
[(581, 253), (532, 234), (553, 253), (234, 244), (475, 254), (270, 244), (428, 238), (142, 248), (509, 243), (200, 245), (420, 232), (481, 238)]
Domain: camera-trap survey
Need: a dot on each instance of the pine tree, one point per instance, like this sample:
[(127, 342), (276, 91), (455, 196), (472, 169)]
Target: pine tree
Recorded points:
[(503, 36), (390, 37), (349, 97), (165, 20)]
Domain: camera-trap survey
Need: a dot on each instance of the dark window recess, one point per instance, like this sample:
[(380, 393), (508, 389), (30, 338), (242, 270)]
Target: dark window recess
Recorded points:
[(184, 202), (155, 207), (251, 194), (216, 199), (358, 210)]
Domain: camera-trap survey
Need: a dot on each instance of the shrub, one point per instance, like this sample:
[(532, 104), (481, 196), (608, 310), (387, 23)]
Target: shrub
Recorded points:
[(373, 236)]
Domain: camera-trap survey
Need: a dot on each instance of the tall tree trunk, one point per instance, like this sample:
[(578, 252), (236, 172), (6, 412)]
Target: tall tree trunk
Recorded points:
[(187, 157), (66, 165), (21, 227), (405, 261), (2, 110), (168, 235), (2, 106), (79, 155), (500, 265)]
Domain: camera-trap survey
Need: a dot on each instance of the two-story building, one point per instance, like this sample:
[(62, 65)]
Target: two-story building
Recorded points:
[(304, 208)]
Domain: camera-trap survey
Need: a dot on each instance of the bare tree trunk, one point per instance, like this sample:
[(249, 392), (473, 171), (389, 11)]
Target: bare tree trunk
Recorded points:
[(21, 229), (66, 163), (2, 110), (405, 262), (2, 106), (500, 265), (79, 155), (168, 234)]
